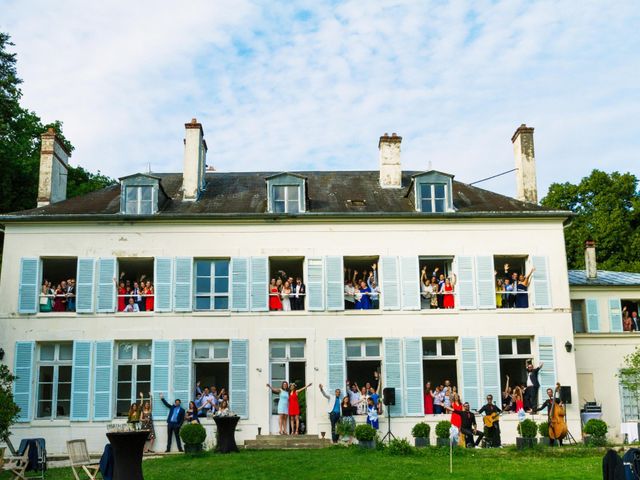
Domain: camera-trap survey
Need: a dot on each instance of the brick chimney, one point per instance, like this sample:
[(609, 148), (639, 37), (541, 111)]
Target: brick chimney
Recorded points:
[(195, 161), (590, 264), (54, 163), (390, 167), (527, 185)]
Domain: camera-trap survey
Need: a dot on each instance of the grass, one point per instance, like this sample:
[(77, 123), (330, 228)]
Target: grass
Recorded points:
[(354, 463)]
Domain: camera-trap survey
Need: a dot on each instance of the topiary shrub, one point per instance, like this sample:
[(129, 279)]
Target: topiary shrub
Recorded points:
[(400, 446), (365, 433), (543, 429), (193, 434), (421, 430), (442, 429), (528, 428), (596, 427)]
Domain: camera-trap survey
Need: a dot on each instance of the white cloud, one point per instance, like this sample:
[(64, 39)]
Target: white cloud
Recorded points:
[(308, 86)]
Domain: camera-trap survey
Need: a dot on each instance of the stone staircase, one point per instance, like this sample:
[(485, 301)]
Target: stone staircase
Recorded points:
[(286, 442)]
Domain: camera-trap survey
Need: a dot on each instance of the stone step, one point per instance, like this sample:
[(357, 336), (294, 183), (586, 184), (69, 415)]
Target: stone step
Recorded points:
[(278, 442)]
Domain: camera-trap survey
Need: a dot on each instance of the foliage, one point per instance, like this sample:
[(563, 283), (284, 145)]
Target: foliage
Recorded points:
[(528, 428), (421, 430), (193, 433), (596, 427), (81, 181), (345, 428), (607, 208), (442, 429), (629, 374), (543, 429), (365, 433), (8, 409), (400, 446)]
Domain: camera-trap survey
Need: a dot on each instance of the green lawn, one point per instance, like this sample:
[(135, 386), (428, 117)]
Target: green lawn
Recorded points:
[(353, 463)]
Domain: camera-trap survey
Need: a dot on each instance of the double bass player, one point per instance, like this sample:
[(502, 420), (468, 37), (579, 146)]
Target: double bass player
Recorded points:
[(555, 416)]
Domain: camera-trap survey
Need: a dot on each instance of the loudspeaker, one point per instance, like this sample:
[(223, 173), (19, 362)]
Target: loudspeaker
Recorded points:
[(389, 396), (565, 395)]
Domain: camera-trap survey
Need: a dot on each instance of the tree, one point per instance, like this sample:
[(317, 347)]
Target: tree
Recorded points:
[(8, 409), (607, 208), (629, 376)]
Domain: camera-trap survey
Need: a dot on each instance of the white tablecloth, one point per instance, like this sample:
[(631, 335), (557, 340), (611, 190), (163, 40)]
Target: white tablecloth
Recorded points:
[(631, 430)]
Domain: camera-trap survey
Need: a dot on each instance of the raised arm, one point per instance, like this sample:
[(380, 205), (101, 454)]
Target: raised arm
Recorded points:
[(527, 280), (454, 279), (324, 394), (274, 390), (166, 404), (304, 388), (506, 388)]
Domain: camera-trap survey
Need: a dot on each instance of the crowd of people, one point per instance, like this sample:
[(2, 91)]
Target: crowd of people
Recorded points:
[(361, 290), (61, 298), (630, 320), (288, 407), (512, 288), (437, 290), (135, 295), (285, 294), (142, 413), (209, 401)]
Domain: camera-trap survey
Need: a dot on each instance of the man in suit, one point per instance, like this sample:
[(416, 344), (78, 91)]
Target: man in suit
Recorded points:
[(174, 421), (533, 384), (298, 290), (635, 321), (333, 409)]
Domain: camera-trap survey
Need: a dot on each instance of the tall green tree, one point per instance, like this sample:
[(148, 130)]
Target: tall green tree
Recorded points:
[(607, 208)]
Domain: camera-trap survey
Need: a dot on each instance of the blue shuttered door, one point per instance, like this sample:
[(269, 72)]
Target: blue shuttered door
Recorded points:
[(593, 315), (393, 372), (84, 285), (615, 315), (410, 280), (315, 284), (102, 380), (181, 370), (182, 286), (163, 288), (540, 283), (465, 286), (240, 284), (80, 380), (485, 282), (413, 377), (29, 289), (239, 378), (107, 285), (259, 284), (470, 372), (389, 284), (336, 365), (160, 358), (490, 368), (22, 386), (335, 283), (546, 355)]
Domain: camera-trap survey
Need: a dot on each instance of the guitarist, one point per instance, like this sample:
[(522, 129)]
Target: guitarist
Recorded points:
[(491, 422)]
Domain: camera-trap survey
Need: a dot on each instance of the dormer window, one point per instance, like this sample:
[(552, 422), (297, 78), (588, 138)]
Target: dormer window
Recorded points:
[(139, 200), (141, 194), (433, 197), (432, 192), (286, 193)]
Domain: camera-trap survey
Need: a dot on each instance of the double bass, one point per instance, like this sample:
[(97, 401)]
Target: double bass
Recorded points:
[(557, 423)]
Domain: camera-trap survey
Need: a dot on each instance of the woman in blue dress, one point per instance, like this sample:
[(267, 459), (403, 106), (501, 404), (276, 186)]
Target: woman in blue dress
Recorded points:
[(522, 295), (365, 300), (283, 405)]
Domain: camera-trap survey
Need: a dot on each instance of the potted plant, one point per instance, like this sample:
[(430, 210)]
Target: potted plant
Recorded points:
[(543, 430), (345, 429), (442, 433), (420, 432), (8, 408), (595, 432), (528, 429), (366, 436), (193, 436)]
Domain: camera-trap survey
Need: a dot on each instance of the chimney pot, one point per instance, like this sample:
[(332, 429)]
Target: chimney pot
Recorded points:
[(54, 161), (526, 183), (590, 262)]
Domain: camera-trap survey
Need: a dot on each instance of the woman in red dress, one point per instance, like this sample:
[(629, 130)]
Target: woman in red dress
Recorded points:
[(60, 300), (121, 293), (148, 291), (519, 398), (274, 296), (456, 404), (448, 288), (294, 408), (428, 399)]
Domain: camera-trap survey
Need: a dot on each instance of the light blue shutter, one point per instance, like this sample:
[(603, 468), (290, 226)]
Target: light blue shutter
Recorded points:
[(485, 281), (490, 368), (22, 386), (413, 376), (540, 283), (410, 275), (546, 355), (259, 284), (81, 380), (393, 372), (315, 284), (336, 365), (106, 285), (84, 285), (29, 289), (102, 380), (240, 284), (470, 372), (615, 314), (239, 378), (465, 286), (160, 373), (181, 371), (389, 283), (182, 286), (163, 287), (593, 315), (335, 283)]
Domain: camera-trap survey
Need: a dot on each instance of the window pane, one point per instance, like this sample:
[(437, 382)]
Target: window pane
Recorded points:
[(146, 208), (203, 303), (124, 390), (144, 387), (425, 191), (222, 285), (524, 346), (426, 206), (203, 285), (221, 350), (222, 268), (504, 346), (278, 207), (46, 375), (278, 350), (448, 347), (132, 194), (122, 408), (144, 351), (430, 347), (64, 391), (278, 194), (146, 193), (64, 373), (124, 373), (47, 352), (372, 349), (44, 409), (221, 303), (201, 350), (125, 351), (143, 373), (203, 268), (439, 206), (63, 408), (292, 206), (354, 349), (439, 190), (296, 350), (65, 351), (292, 192)]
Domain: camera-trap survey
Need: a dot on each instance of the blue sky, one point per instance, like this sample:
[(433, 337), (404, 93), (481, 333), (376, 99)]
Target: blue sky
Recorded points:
[(312, 85)]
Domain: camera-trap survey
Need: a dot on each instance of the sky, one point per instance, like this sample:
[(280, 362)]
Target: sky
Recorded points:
[(312, 85)]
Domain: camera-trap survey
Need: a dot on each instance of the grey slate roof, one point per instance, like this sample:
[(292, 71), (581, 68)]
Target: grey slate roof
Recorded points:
[(578, 278), (328, 192)]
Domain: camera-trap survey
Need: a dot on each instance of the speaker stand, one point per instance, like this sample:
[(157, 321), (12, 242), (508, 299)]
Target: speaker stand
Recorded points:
[(388, 435)]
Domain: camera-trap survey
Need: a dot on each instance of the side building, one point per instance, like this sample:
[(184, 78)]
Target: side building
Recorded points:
[(210, 243)]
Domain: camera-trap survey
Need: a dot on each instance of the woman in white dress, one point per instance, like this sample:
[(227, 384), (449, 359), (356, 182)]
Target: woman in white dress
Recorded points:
[(285, 294)]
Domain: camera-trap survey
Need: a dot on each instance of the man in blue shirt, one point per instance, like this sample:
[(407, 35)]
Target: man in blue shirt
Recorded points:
[(174, 421), (333, 409)]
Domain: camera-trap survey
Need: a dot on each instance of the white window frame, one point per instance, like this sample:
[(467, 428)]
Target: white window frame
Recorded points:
[(56, 363), (134, 362), (211, 344), (363, 350), (439, 355), (514, 348), (212, 293), (287, 346), (583, 316), (433, 197), (139, 201), (286, 197), (626, 396)]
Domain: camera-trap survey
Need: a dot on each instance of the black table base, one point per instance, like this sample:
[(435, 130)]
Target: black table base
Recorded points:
[(225, 437), (127, 454)]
